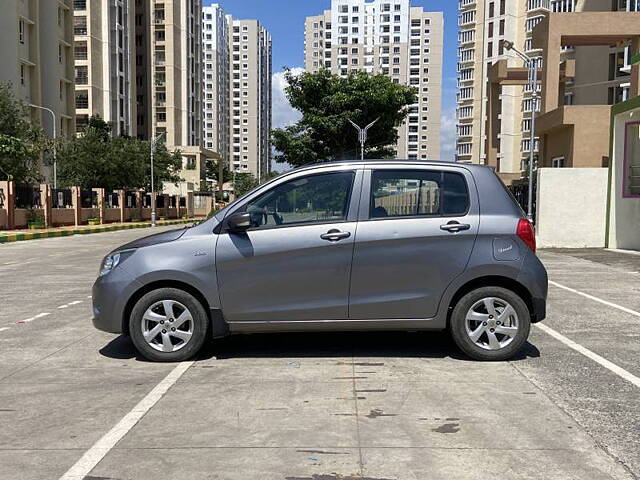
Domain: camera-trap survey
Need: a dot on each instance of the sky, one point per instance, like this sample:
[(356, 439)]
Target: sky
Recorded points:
[(285, 21)]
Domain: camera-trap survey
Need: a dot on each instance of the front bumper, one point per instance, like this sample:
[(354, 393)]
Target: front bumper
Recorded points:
[(110, 294)]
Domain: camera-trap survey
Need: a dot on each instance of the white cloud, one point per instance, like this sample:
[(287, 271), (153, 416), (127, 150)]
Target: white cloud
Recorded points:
[(448, 135), (283, 113)]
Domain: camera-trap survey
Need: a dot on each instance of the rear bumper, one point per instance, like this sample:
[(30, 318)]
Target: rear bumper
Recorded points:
[(539, 309), (534, 277)]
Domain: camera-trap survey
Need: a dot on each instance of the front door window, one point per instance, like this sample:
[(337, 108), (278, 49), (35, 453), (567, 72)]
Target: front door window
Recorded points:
[(322, 198)]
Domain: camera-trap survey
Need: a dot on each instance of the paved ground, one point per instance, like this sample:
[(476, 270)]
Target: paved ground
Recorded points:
[(316, 407)]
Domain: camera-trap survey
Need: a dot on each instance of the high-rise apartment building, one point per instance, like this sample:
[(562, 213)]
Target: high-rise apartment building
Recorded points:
[(169, 74), (250, 108), (483, 24), (104, 53), (392, 38), (237, 90), (216, 77), (36, 39)]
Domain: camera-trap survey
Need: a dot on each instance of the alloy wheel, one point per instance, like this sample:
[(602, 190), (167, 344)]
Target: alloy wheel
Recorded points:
[(167, 326), (491, 323)]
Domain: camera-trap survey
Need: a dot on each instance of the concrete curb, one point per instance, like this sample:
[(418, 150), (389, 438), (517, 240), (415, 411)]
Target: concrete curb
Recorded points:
[(19, 237)]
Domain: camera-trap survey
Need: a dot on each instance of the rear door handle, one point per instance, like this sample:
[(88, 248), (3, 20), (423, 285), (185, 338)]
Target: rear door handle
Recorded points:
[(454, 226), (334, 235)]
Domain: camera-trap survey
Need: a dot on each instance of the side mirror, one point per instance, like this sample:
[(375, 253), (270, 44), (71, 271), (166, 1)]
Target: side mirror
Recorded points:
[(239, 222)]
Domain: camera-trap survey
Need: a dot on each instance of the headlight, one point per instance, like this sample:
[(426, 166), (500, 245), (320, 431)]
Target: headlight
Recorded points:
[(112, 260)]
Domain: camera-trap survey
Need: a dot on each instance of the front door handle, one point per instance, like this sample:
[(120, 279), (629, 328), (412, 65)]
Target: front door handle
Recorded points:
[(334, 235), (454, 226)]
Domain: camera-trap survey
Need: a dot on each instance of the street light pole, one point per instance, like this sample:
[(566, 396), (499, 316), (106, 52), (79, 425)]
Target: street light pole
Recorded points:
[(533, 84), (55, 158), (154, 141), (362, 134)]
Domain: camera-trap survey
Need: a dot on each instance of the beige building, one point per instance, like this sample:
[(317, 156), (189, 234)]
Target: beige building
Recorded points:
[(392, 38), (105, 63), (250, 96), (494, 104), (169, 82), (37, 59), (237, 91), (216, 78)]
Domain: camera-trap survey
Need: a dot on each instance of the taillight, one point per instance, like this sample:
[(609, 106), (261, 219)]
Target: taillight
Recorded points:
[(526, 233)]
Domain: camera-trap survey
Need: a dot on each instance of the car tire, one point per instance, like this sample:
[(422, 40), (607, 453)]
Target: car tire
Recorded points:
[(475, 331), (152, 330)]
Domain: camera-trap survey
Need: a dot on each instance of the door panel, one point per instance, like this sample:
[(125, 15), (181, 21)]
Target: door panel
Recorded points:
[(401, 266), (294, 263), (285, 274)]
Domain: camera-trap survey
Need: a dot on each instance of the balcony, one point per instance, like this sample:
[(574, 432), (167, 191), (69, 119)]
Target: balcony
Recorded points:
[(533, 5)]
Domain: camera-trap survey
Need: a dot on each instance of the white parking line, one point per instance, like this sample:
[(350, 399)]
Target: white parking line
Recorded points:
[(596, 299), (4, 328), (589, 354), (40, 315), (75, 302), (585, 351), (100, 449), (64, 306)]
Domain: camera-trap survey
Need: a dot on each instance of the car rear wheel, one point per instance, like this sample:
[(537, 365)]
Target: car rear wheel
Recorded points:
[(168, 325), (490, 323)]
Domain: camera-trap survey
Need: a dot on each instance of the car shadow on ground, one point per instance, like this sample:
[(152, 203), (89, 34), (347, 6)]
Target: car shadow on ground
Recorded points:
[(313, 345)]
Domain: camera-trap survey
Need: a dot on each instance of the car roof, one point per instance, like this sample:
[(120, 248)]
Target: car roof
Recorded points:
[(399, 161)]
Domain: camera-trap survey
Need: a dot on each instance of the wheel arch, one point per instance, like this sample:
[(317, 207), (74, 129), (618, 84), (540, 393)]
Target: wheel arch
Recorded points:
[(138, 294), (491, 281)]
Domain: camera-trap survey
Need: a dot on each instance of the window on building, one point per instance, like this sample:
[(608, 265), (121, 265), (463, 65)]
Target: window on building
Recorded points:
[(631, 180), (82, 75), (80, 50), (80, 25), (82, 99), (21, 32)]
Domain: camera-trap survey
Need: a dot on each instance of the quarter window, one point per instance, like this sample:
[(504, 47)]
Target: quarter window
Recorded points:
[(416, 193), (313, 199)]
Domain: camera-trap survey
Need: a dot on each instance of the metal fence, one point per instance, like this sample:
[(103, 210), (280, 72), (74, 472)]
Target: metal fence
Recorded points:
[(61, 198), (111, 200), (27, 197), (88, 199), (130, 199), (521, 193)]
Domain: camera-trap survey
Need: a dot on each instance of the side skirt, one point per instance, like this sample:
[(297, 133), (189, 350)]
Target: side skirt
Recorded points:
[(337, 325)]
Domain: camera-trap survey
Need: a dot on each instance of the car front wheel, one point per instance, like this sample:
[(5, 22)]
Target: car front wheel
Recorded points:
[(168, 325), (490, 323)]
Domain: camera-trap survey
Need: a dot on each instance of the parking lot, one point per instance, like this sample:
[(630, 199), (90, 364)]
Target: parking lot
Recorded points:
[(80, 403)]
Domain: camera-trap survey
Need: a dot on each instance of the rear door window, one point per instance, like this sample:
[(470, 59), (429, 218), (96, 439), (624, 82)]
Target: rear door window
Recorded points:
[(411, 193)]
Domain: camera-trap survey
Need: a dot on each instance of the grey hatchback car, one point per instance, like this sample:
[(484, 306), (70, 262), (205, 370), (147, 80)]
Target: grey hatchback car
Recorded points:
[(342, 246)]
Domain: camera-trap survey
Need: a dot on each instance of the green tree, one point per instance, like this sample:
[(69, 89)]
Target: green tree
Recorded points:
[(20, 142), (213, 171), (243, 183), (326, 101), (95, 159)]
